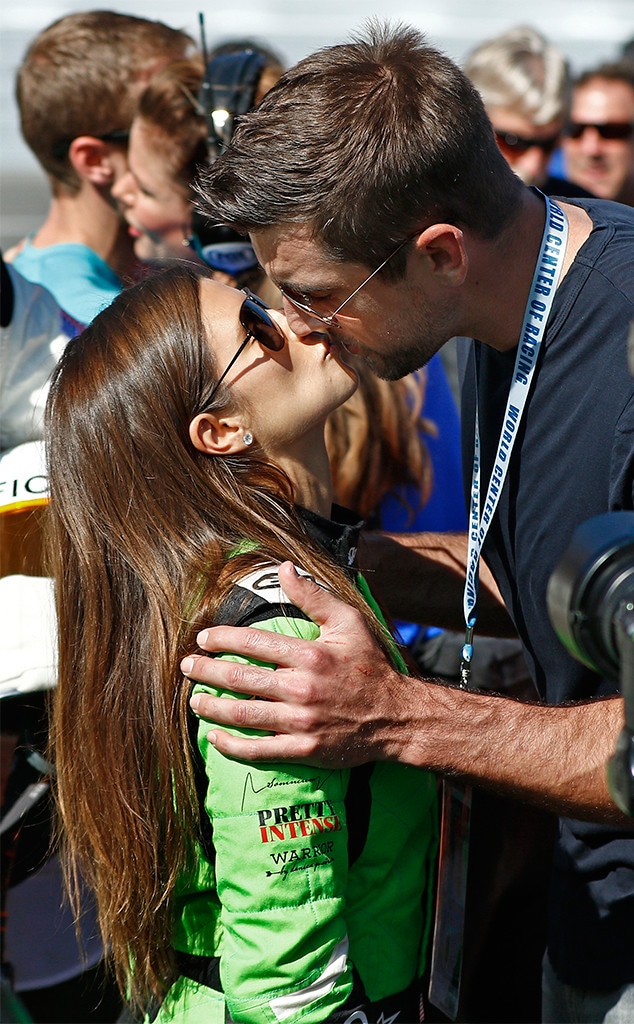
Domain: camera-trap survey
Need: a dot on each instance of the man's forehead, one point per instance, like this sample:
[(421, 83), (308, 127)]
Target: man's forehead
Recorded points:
[(604, 97), (292, 256)]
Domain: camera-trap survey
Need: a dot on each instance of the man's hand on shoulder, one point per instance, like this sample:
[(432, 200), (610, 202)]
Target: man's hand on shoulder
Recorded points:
[(329, 702)]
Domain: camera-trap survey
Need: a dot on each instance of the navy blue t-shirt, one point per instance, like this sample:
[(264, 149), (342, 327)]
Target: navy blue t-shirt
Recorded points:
[(573, 459)]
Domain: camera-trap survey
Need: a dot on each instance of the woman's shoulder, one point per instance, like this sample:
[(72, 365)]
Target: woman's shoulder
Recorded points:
[(257, 596)]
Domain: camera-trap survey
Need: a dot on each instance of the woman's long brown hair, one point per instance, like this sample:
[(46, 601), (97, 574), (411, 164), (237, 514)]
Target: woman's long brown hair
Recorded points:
[(141, 525), (375, 442)]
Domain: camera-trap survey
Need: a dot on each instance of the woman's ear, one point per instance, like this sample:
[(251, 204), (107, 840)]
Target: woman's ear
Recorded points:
[(218, 435)]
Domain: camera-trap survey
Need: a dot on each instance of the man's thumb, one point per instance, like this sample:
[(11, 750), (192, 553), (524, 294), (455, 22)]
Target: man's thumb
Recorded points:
[(315, 600)]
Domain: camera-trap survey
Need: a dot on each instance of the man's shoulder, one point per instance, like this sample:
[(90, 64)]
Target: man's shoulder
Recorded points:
[(605, 261), (605, 212)]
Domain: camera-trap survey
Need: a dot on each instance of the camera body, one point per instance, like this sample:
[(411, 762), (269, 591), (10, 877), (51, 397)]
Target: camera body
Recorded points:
[(591, 605)]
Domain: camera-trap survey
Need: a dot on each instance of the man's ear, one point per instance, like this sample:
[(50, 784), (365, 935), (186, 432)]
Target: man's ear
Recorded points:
[(217, 435), (91, 159), (442, 245)]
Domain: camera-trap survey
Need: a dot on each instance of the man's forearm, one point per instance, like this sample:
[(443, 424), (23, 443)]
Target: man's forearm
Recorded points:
[(420, 578), (552, 757), (338, 702)]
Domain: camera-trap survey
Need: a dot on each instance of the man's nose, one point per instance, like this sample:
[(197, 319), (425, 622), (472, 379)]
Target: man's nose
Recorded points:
[(300, 322), (590, 141)]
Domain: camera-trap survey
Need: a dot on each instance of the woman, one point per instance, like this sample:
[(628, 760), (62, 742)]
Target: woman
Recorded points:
[(187, 459), (169, 143)]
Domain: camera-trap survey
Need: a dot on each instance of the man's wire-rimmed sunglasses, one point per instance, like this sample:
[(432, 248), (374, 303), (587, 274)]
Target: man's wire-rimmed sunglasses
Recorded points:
[(517, 145), (259, 324), (331, 320), (612, 130)]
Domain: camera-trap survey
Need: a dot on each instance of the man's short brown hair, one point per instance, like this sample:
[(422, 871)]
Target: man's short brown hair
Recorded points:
[(365, 142), (83, 75)]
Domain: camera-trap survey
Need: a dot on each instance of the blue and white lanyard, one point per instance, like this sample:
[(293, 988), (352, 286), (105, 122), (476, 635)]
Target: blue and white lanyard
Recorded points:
[(540, 300)]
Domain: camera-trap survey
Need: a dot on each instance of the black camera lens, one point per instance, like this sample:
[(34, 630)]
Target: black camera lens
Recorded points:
[(591, 583)]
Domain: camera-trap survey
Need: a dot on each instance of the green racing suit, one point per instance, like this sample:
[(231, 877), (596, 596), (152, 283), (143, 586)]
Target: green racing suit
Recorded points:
[(311, 897)]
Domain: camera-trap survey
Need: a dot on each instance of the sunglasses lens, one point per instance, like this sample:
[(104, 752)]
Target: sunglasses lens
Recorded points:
[(548, 145), (256, 320), (512, 143), (516, 145), (615, 130), (609, 130)]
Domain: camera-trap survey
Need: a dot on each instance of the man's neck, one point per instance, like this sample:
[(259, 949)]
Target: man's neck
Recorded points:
[(87, 218), (502, 271)]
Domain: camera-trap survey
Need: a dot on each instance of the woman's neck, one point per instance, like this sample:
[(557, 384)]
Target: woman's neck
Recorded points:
[(308, 469)]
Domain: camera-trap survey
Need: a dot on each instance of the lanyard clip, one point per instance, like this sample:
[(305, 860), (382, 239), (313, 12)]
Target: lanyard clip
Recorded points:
[(465, 659)]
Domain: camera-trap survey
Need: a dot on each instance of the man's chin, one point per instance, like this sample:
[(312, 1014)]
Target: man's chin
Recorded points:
[(392, 365), (396, 365)]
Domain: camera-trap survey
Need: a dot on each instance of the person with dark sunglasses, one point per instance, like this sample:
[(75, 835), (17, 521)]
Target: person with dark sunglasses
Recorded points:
[(187, 460), (524, 83), (598, 140)]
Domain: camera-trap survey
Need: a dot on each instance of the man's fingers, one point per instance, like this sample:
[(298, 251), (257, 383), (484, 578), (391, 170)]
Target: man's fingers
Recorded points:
[(249, 642), (264, 715), (264, 748), (233, 675)]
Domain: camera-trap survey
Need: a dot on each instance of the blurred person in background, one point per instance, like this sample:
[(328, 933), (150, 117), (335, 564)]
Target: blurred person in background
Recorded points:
[(42, 964), (172, 137), (599, 138), (168, 141), (524, 83), (76, 89)]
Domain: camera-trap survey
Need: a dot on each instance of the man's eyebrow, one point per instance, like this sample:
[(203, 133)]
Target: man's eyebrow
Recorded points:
[(304, 289)]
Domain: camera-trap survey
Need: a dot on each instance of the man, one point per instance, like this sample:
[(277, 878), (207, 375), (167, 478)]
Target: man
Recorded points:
[(525, 87), (77, 89), (524, 83), (599, 139), (383, 208)]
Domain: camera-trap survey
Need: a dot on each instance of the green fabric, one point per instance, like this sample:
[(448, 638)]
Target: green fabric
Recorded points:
[(281, 907)]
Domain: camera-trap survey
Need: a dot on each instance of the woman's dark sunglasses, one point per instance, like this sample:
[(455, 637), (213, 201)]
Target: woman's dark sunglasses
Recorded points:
[(258, 323)]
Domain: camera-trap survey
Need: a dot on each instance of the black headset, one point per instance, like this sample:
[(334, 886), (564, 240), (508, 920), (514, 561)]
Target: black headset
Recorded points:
[(228, 90)]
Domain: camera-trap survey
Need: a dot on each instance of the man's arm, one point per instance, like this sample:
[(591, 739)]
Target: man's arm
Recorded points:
[(420, 578), (337, 701)]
